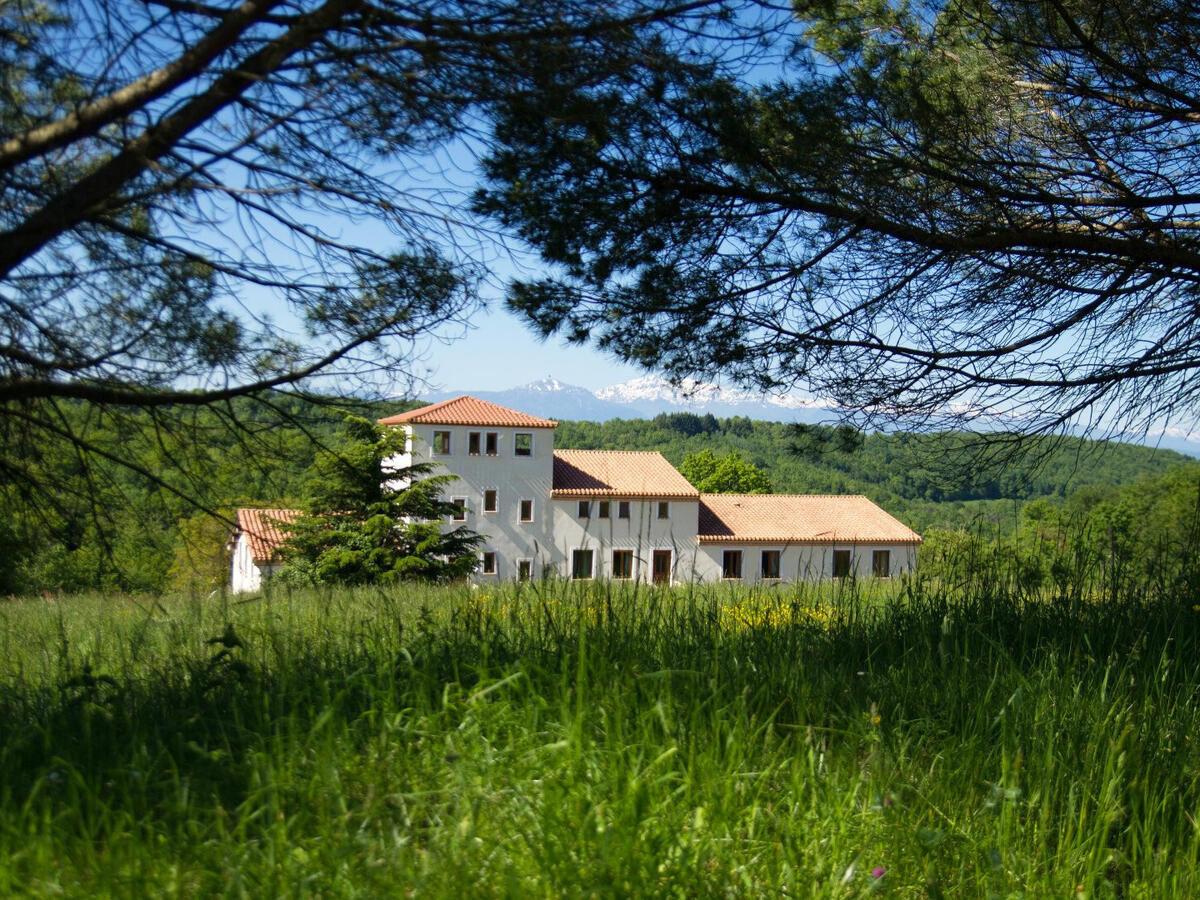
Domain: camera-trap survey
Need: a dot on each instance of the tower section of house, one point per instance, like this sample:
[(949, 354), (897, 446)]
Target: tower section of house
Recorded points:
[(790, 537), (502, 461), (625, 515)]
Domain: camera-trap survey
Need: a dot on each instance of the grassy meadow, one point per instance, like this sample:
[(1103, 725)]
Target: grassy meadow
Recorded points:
[(558, 739)]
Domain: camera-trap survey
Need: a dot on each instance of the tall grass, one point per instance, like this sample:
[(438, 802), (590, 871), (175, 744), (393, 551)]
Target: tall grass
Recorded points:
[(558, 740)]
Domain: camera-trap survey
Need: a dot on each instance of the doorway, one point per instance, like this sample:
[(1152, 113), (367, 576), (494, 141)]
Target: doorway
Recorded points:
[(661, 567)]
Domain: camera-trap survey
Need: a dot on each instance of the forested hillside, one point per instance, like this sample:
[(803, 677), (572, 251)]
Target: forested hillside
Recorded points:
[(933, 480), (78, 521)]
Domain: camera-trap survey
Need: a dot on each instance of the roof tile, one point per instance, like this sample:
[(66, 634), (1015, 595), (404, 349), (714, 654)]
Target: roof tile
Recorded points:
[(468, 410), (798, 519), (266, 530), (618, 473)]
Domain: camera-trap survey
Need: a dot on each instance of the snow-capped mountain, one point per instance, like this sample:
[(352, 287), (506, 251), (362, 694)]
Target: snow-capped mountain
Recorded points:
[(706, 397), (646, 397), (552, 398)]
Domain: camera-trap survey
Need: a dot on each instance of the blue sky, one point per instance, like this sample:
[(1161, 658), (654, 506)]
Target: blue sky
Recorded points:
[(499, 352)]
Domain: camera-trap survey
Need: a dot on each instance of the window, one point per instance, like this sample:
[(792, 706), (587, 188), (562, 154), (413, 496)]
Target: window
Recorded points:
[(441, 443), (664, 509), (489, 501), (460, 514), (622, 564), (770, 564), (581, 564), (731, 564), (881, 563), (523, 443), (473, 443), (524, 569), (841, 563), (623, 509), (489, 563), (585, 508), (602, 513), (526, 510), (492, 443)]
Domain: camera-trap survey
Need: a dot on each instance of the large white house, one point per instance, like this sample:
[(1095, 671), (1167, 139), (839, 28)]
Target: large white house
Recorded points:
[(626, 514)]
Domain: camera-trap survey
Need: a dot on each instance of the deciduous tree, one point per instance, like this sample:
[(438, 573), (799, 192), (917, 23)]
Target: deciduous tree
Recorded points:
[(728, 474)]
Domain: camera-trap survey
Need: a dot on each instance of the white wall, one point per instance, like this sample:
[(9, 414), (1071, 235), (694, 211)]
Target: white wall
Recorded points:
[(513, 477), (802, 562), (643, 533), (246, 575)]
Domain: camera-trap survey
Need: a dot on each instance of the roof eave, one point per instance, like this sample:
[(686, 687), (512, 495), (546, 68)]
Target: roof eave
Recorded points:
[(592, 493), (831, 539)]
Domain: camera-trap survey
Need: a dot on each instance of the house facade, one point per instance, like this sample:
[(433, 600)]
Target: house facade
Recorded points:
[(619, 514), (631, 514)]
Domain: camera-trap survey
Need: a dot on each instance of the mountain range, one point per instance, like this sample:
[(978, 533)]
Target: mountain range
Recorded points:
[(646, 397)]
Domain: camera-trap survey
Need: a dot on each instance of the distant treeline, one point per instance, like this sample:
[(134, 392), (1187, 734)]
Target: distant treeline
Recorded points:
[(129, 503), (946, 480)]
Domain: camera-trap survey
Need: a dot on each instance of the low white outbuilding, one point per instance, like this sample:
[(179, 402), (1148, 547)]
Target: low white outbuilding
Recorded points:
[(255, 545)]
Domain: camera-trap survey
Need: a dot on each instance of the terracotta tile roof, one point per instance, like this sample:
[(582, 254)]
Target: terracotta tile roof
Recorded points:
[(798, 519), (265, 529), (468, 410), (618, 473)]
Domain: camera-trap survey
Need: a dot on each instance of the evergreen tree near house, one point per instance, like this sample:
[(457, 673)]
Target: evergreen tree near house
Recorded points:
[(368, 522)]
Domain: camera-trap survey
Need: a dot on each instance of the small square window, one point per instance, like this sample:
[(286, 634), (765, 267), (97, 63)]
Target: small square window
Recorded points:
[(622, 564), (585, 508), (460, 513), (881, 563), (664, 509), (581, 564), (489, 501), (602, 512), (492, 443), (526, 510), (623, 509), (524, 569), (731, 564), (523, 443), (473, 443), (841, 563), (441, 443), (770, 564), (489, 563)]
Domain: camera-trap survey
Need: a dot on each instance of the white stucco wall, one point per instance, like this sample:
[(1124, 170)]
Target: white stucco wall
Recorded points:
[(246, 575), (643, 533), (514, 478), (802, 562)]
